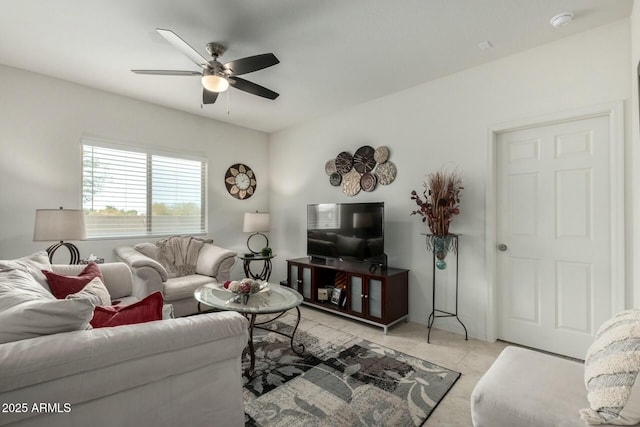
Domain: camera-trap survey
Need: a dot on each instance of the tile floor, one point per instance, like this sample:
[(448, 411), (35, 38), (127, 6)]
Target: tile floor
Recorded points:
[(472, 358)]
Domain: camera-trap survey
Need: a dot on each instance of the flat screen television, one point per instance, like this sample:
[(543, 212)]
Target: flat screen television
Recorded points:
[(346, 231)]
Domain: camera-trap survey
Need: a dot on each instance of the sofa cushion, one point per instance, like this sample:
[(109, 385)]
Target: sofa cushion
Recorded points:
[(27, 310), (95, 291), (528, 388), (32, 264), (62, 285), (180, 288), (146, 310), (611, 370)]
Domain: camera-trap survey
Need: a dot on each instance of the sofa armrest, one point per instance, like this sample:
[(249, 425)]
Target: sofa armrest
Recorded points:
[(80, 366), (216, 262), (137, 259)]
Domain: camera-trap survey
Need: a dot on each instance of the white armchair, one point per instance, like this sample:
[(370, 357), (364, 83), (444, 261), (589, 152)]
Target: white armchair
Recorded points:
[(149, 275)]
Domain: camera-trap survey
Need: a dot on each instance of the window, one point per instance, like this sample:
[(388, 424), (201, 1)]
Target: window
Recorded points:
[(135, 193)]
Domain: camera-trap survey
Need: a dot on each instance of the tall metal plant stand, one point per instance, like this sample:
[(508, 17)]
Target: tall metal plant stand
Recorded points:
[(439, 247)]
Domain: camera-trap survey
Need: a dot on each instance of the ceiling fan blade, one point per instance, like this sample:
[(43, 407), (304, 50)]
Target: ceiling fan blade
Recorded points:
[(252, 88), (209, 97), (183, 47), (168, 72), (251, 64)]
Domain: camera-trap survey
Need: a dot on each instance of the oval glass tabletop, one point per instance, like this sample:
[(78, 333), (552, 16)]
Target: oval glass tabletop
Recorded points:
[(272, 299)]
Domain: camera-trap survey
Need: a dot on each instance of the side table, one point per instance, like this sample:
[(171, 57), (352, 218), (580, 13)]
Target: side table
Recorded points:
[(265, 273), (440, 246)]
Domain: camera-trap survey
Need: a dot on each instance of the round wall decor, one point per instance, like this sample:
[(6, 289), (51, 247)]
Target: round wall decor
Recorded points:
[(386, 172), (330, 167), (381, 154), (363, 170), (351, 183), (363, 160), (344, 162), (240, 181), (368, 182)]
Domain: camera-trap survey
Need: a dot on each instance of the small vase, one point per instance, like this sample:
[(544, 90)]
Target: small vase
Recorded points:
[(245, 298), (441, 246)]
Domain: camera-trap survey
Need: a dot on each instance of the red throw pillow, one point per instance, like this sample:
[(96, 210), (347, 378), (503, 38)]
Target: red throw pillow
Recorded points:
[(61, 286), (146, 310)]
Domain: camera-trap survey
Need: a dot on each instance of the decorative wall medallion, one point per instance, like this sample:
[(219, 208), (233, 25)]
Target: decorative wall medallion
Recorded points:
[(351, 183), (386, 172), (344, 162), (363, 160), (381, 154), (240, 181), (363, 170), (330, 167), (368, 182)]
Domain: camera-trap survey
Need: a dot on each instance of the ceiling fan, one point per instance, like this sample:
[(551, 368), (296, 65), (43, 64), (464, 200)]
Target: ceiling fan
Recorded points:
[(217, 77)]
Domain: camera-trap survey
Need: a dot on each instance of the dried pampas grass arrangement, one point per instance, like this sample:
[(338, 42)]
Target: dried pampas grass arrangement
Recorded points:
[(442, 191)]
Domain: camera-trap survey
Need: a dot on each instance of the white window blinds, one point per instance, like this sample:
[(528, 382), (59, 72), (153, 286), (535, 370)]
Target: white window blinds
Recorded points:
[(134, 193)]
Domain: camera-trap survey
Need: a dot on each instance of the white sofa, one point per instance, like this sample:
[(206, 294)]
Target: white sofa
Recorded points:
[(177, 372), (526, 388), (149, 275)]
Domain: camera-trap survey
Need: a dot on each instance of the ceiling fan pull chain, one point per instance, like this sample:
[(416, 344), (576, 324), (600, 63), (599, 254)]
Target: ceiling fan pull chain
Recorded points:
[(228, 102)]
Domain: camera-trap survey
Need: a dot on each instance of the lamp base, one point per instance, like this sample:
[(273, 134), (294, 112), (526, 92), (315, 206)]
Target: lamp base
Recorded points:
[(73, 250), (249, 244)]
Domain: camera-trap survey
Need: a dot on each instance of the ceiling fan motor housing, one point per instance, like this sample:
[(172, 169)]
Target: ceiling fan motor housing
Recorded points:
[(215, 49)]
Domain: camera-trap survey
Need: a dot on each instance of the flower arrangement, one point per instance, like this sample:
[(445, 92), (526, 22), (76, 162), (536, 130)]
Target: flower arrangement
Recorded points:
[(243, 289), (441, 202), (244, 286)]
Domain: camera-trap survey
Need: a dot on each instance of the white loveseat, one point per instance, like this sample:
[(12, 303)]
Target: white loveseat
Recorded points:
[(176, 372), (149, 275)]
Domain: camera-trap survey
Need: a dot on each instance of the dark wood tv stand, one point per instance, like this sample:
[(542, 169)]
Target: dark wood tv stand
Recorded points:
[(368, 293)]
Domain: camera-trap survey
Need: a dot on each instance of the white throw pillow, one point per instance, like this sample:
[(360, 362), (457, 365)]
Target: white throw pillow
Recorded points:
[(611, 372), (27, 310), (95, 291), (32, 264)]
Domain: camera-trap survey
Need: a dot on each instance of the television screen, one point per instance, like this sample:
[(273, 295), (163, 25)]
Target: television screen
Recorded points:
[(352, 231)]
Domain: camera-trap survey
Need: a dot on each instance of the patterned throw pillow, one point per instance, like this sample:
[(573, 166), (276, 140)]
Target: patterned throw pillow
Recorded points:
[(611, 370)]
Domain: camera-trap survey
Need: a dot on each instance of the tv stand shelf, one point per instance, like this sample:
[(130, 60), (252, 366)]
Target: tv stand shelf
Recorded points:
[(367, 293)]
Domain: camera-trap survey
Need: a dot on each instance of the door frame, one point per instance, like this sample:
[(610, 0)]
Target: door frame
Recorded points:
[(614, 111)]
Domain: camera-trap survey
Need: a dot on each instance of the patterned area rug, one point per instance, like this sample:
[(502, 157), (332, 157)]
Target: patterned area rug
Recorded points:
[(340, 380)]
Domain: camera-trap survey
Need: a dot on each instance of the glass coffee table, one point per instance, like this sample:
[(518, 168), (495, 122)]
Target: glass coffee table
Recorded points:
[(273, 299)]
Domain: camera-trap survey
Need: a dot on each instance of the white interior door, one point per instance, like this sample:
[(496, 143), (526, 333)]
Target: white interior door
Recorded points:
[(553, 234)]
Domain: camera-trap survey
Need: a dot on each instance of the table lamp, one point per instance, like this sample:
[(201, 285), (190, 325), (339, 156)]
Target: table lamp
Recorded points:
[(59, 225), (256, 223)]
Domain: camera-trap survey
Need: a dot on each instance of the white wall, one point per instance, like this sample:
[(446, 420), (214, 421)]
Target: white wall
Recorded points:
[(634, 143), (441, 122), (43, 120)]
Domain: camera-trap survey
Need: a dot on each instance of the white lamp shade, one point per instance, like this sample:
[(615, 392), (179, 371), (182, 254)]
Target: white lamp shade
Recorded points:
[(255, 222), (214, 83), (59, 225)]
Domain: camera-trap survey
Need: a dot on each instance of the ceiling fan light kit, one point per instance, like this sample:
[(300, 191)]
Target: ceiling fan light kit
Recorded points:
[(213, 82), (217, 77)]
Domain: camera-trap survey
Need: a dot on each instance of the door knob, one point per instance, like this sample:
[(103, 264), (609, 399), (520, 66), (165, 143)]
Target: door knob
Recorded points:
[(502, 247)]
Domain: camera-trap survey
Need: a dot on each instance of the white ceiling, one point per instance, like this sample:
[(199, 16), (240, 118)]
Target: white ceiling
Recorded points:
[(333, 53)]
